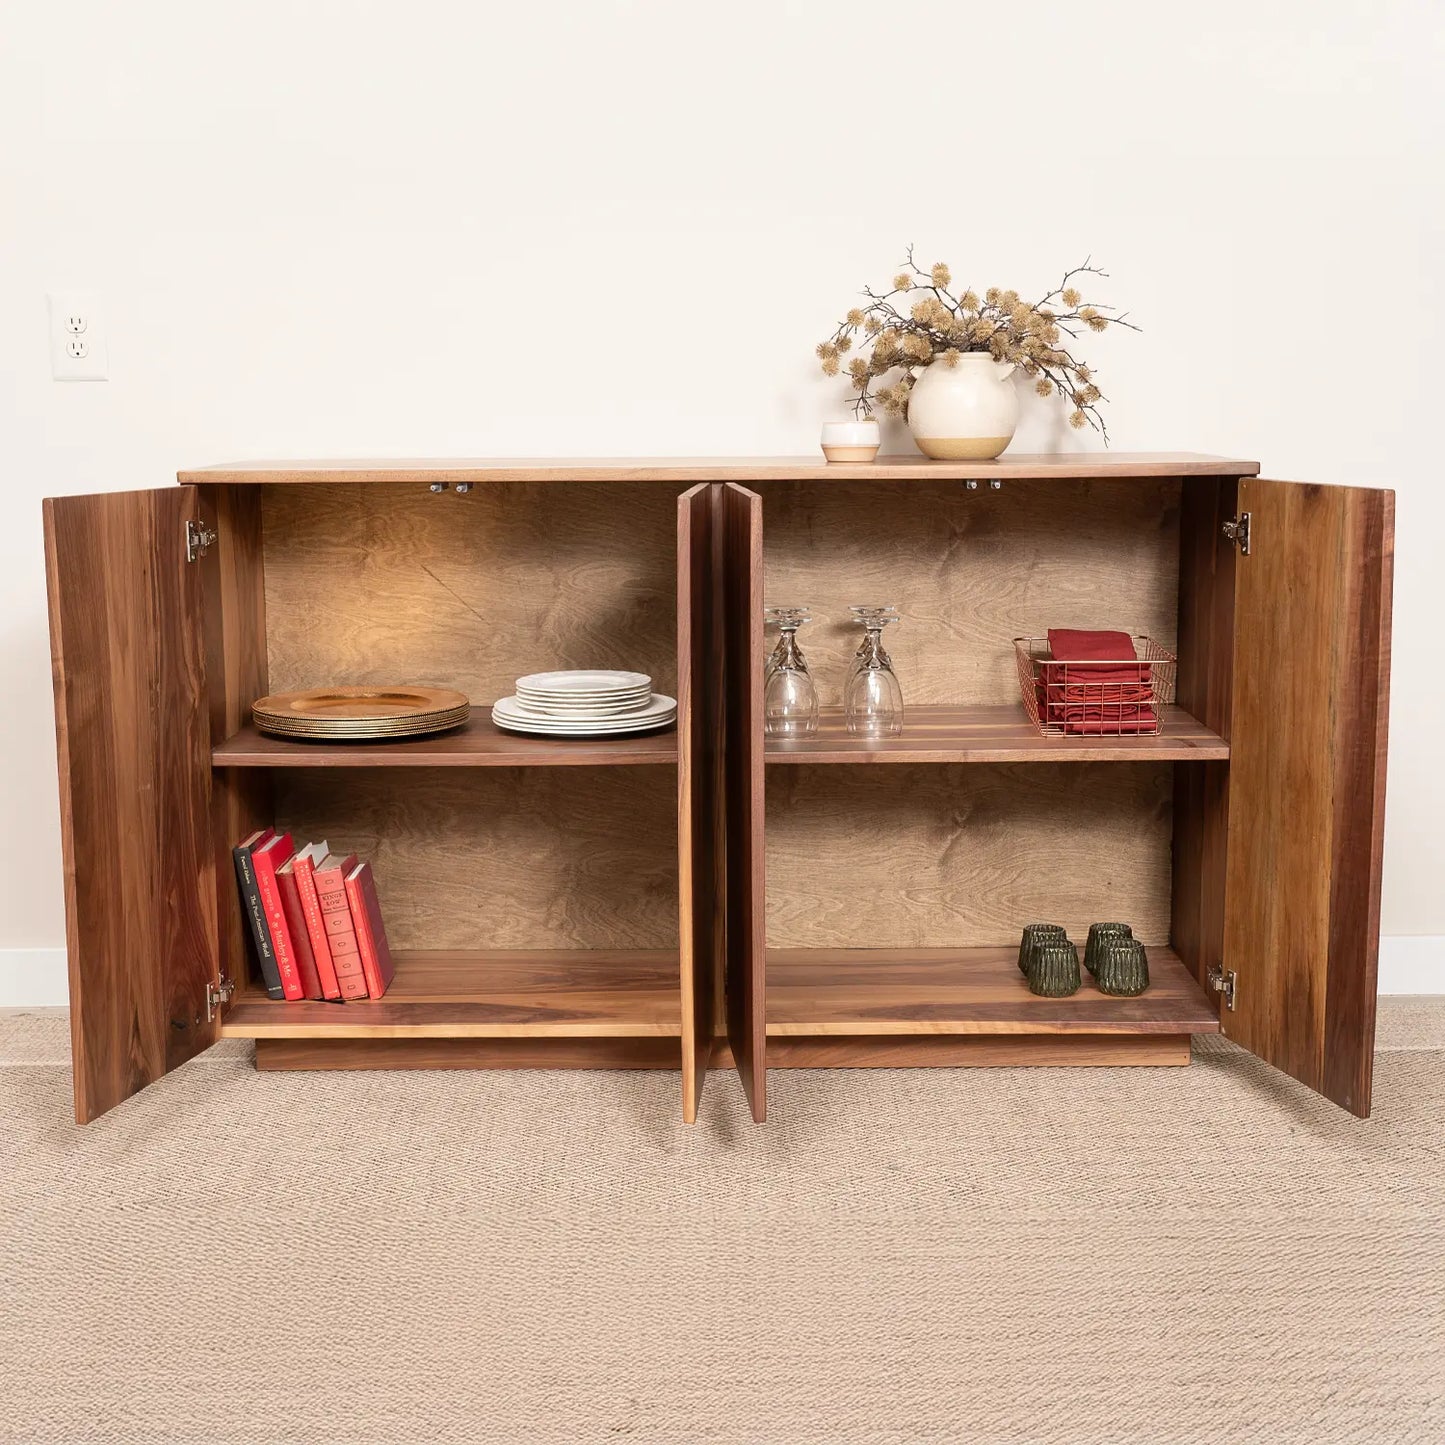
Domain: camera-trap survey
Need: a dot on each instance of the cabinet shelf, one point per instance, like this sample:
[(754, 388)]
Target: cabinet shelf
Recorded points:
[(477, 744), (817, 991), (994, 734), (527, 993)]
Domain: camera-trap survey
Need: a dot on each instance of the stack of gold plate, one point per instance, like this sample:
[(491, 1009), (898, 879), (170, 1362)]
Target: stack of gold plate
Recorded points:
[(360, 714)]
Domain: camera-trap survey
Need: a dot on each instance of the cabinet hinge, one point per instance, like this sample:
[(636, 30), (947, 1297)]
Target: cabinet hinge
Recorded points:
[(1237, 531), (218, 993), (198, 540), (1222, 980)]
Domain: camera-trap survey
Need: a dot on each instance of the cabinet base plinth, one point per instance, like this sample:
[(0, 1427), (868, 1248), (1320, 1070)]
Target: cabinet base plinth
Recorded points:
[(948, 1051)]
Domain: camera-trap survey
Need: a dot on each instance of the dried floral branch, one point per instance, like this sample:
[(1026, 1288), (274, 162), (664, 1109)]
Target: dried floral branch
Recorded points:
[(920, 321)]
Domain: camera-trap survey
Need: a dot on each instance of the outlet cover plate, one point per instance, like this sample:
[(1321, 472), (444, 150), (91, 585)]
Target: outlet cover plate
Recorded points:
[(77, 337)]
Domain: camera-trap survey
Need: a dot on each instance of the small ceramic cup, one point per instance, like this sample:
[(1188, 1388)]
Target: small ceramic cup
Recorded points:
[(1035, 934), (851, 441), (1099, 935), (1122, 968), (1054, 968)]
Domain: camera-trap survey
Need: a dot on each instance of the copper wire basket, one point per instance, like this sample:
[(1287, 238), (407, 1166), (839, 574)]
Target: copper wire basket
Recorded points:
[(1099, 698)]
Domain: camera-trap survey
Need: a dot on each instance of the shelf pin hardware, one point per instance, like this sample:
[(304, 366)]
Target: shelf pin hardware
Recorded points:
[(994, 485), (437, 486), (464, 487), (1223, 981), (971, 485)]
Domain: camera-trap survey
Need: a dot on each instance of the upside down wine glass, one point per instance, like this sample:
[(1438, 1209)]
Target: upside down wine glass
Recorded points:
[(790, 701), (872, 698)]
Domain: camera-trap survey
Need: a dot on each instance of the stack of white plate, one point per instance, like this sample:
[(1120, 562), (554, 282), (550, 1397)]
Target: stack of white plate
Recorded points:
[(582, 704)]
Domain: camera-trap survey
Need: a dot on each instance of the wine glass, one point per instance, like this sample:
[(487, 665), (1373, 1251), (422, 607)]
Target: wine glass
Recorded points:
[(872, 698), (790, 701)]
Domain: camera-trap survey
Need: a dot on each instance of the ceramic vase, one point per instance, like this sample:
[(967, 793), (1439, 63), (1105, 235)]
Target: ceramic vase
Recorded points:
[(851, 441), (964, 412), (1099, 935), (1034, 934), (1122, 968)]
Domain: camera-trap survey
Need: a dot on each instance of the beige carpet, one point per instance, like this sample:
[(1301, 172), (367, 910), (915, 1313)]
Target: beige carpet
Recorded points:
[(1201, 1254)]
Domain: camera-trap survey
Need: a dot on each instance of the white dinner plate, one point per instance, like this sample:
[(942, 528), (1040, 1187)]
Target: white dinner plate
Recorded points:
[(574, 709), (659, 712), (580, 682)]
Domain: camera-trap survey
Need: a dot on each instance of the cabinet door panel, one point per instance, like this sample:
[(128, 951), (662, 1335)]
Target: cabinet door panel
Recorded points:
[(135, 787), (1307, 780), (700, 810), (746, 952)]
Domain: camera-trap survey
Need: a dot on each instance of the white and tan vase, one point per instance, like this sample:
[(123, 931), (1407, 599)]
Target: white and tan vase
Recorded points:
[(851, 441), (964, 412)]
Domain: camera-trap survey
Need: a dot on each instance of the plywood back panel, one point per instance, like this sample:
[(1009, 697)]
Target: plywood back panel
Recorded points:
[(969, 571), (963, 856), (494, 858), (393, 583)]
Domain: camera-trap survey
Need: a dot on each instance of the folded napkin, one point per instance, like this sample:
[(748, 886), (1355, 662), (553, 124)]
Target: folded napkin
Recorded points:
[(1089, 686)]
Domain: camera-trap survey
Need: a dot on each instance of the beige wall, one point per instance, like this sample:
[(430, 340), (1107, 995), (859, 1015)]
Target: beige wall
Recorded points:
[(598, 227)]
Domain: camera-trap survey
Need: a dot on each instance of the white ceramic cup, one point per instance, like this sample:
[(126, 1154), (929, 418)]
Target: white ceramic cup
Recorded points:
[(851, 441)]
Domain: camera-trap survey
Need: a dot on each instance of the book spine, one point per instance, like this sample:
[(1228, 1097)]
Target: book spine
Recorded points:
[(345, 956), (265, 869), (297, 934), (365, 943), (256, 917), (305, 872)]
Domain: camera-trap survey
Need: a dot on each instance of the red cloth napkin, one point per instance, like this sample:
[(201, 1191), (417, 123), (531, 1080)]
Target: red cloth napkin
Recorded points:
[(1089, 686)]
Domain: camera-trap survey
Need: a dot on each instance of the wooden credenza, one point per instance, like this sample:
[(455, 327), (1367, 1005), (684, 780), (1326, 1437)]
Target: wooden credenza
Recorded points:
[(707, 898)]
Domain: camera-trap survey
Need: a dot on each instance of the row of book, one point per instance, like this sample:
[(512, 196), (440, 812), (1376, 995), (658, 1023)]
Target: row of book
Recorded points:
[(314, 919)]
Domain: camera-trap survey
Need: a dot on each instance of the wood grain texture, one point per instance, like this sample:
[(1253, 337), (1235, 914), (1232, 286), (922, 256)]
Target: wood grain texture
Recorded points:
[(378, 584), (746, 982), (434, 1053), (942, 856), (816, 992), (972, 1051), (1311, 663), (479, 743), (1204, 686), (233, 616), (992, 733), (132, 733), (969, 571), (489, 994), (504, 857), (687, 471), (701, 817)]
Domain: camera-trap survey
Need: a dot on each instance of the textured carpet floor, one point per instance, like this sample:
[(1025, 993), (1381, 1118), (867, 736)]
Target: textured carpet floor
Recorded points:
[(1201, 1254)]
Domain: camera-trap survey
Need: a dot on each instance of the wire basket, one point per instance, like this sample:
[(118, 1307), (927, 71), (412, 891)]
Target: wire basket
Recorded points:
[(1099, 698)]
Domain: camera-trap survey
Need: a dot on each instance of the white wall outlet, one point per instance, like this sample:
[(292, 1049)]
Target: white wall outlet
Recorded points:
[(77, 337)]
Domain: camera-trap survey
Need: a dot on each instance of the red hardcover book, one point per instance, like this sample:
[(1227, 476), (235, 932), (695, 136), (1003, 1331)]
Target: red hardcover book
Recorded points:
[(336, 915), (376, 962), (296, 930), (303, 866), (266, 860)]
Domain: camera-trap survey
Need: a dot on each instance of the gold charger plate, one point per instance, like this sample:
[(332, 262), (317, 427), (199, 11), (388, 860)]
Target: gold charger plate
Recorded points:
[(358, 713)]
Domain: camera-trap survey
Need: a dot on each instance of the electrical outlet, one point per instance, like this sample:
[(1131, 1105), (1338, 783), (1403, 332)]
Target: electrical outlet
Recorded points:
[(77, 337)]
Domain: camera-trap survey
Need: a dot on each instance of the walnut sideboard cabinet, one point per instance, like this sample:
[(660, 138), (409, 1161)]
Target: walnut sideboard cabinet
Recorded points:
[(707, 898)]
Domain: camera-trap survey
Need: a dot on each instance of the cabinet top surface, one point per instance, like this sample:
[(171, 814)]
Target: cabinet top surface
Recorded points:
[(718, 469)]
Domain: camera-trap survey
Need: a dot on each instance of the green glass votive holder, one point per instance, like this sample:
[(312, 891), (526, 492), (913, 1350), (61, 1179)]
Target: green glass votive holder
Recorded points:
[(1034, 934), (1053, 970), (1099, 934), (1122, 968)]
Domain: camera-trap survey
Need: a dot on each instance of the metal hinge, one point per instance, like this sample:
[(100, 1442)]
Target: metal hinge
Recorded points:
[(1238, 531), (217, 994), (198, 540), (1222, 980)]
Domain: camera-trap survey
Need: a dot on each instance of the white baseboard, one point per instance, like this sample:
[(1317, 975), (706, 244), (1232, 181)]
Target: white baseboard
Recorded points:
[(35, 977)]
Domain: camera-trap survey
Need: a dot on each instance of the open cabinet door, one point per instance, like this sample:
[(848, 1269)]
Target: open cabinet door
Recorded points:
[(133, 737), (745, 973), (1307, 781), (700, 802)]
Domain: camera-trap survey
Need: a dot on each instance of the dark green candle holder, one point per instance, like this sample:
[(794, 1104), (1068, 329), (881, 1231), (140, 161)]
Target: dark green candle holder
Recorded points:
[(1035, 933), (1122, 968), (1053, 970), (1099, 934)]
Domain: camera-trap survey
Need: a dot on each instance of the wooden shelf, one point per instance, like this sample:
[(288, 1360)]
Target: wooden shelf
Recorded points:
[(688, 471), (530, 993), (478, 744), (817, 991), (994, 734)]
